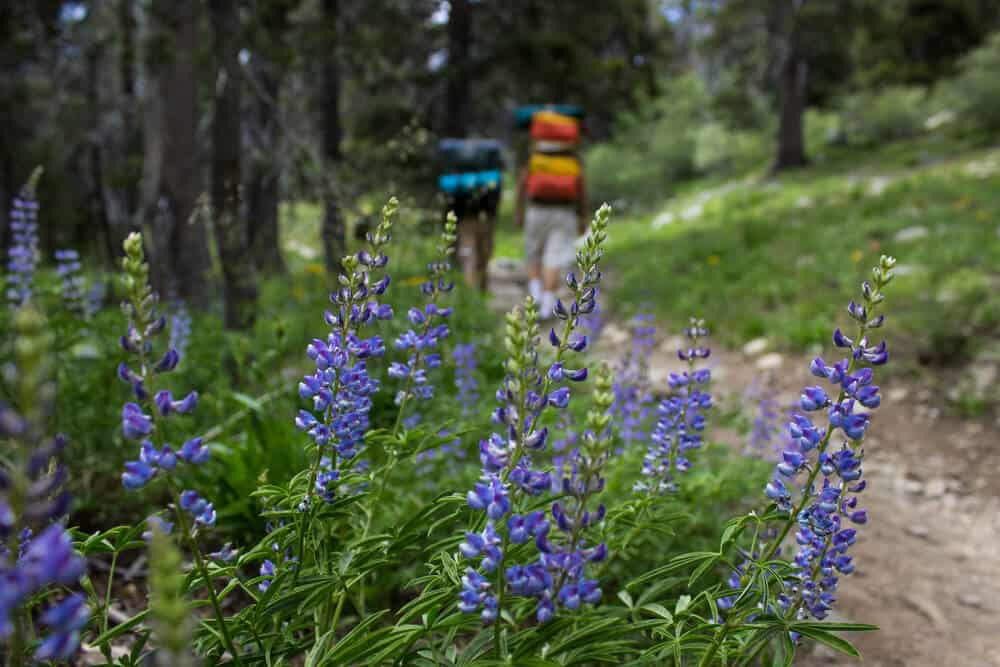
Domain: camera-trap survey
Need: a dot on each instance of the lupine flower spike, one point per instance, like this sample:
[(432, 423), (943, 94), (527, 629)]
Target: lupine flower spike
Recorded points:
[(22, 254), (340, 388), (631, 389), (527, 391), (140, 417), (428, 327), (681, 422), (36, 552), (818, 481), (68, 268)]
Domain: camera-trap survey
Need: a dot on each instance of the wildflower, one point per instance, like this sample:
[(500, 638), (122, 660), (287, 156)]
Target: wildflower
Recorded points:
[(22, 254), (340, 388), (42, 560), (631, 387), (202, 510), (680, 423), (180, 328), (767, 437), (138, 418), (508, 473), (429, 326), (829, 495), (464, 356), (68, 268)]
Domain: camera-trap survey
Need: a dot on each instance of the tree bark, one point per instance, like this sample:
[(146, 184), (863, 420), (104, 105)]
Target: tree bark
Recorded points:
[(179, 253), (333, 229), (239, 286), (263, 137), (792, 79), (459, 38), (111, 104)]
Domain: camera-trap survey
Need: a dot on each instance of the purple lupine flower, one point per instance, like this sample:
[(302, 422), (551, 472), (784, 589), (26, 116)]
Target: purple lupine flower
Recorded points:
[(523, 396), (36, 552), (632, 387), (464, 356), (64, 621), (828, 497), (180, 328), (475, 595), (144, 325), (267, 570), (69, 270), (22, 254), (429, 327), (767, 437), (680, 419), (202, 510), (340, 389), (226, 554)]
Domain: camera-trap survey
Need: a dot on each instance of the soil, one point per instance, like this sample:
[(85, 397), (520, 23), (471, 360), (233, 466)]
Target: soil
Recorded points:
[(928, 561)]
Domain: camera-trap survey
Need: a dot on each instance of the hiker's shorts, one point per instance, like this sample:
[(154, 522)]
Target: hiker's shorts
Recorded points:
[(550, 235)]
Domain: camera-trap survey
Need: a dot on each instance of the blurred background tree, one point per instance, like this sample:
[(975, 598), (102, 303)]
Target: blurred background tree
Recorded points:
[(140, 108)]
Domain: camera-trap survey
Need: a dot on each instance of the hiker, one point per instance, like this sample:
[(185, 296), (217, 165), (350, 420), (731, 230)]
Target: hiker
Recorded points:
[(472, 186), (551, 205)]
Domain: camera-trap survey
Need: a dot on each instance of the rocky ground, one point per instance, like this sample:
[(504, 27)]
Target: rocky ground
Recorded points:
[(928, 562)]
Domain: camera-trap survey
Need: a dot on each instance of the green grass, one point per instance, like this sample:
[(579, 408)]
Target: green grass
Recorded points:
[(781, 258)]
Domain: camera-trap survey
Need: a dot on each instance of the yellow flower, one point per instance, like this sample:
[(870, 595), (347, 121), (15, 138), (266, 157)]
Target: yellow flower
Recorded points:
[(414, 280), (714, 259), (962, 204), (298, 293), (315, 269), (856, 256)]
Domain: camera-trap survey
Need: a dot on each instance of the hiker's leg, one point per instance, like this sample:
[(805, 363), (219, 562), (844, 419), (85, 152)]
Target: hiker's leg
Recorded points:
[(467, 251), (534, 244), (485, 247), (560, 250)]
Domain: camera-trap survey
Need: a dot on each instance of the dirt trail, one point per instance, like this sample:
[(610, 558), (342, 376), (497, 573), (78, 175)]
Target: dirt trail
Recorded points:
[(928, 562)]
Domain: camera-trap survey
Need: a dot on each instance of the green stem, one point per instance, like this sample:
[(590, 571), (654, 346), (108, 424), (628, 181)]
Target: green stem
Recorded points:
[(206, 579), (336, 612), (501, 585), (106, 649), (720, 635)]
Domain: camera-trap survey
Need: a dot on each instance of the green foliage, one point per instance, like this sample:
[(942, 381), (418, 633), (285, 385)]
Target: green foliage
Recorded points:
[(976, 89), (886, 114), (653, 148)]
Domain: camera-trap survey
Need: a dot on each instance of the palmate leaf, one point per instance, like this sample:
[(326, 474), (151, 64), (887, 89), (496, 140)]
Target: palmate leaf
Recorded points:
[(677, 563), (816, 632)]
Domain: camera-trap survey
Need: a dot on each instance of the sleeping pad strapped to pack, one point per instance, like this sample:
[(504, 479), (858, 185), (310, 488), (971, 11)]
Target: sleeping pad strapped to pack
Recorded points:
[(553, 170), (470, 165)]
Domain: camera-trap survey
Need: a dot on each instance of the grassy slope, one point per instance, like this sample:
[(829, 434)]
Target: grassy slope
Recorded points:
[(778, 258)]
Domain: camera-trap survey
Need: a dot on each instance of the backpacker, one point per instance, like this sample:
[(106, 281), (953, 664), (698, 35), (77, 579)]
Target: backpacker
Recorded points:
[(470, 166)]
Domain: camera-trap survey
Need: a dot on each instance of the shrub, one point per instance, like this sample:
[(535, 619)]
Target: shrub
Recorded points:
[(976, 89), (653, 148), (877, 117)]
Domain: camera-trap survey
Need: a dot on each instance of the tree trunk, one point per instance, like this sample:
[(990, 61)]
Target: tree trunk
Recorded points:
[(791, 149), (458, 69), (262, 138), (239, 286), (333, 229), (179, 251), (111, 105), (792, 79)]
